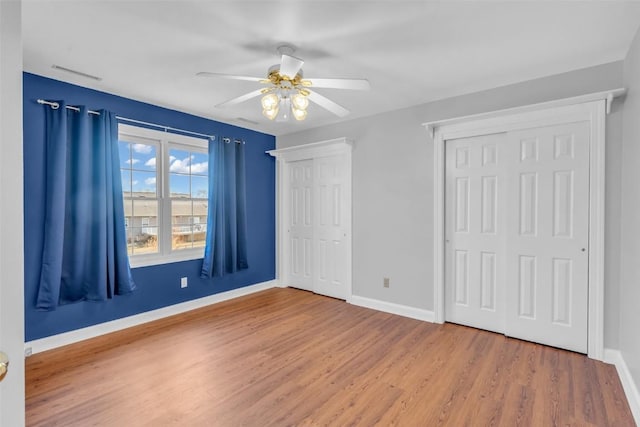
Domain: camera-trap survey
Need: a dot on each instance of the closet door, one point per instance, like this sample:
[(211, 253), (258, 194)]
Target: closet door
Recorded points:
[(517, 227), (301, 224), (475, 231), (547, 264), (332, 226), (314, 217)]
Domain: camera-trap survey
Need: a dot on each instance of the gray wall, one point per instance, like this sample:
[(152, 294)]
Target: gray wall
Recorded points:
[(630, 248), (393, 185)]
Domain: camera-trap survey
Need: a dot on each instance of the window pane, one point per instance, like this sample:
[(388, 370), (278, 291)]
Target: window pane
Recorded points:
[(129, 242), (143, 157), (124, 149), (199, 163), (200, 212), (181, 238), (144, 211), (199, 187), (199, 234), (181, 212), (128, 211), (143, 223), (144, 184), (144, 240), (126, 183), (179, 185), (179, 161), (181, 224)]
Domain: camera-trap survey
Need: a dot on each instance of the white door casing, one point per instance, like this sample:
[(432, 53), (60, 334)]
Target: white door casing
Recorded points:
[(590, 108), (475, 230), (330, 192), (12, 409)]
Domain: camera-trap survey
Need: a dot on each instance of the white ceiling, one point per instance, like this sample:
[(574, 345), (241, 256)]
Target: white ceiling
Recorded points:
[(412, 52)]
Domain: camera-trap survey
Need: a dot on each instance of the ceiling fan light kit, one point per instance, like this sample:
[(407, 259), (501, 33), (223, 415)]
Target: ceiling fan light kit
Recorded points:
[(288, 92)]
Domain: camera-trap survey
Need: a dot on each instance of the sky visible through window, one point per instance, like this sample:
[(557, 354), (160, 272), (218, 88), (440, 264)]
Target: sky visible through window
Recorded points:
[(188, 171)]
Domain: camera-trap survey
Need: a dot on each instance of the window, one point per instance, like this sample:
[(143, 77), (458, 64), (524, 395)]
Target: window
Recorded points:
[(165, 188)]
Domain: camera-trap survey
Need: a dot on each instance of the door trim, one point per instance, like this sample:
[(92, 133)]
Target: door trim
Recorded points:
[(593, 112), (332, 147), (12, 387)]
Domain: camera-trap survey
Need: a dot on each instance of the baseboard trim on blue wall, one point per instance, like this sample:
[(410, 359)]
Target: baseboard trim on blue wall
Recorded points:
[(71, 337), (389, 307), (628, 384)]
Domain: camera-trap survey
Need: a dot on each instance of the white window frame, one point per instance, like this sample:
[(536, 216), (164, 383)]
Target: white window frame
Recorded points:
[(164, 141)]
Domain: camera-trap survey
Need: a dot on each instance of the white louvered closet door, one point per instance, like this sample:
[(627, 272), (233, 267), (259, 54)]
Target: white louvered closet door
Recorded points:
[(517, 227)]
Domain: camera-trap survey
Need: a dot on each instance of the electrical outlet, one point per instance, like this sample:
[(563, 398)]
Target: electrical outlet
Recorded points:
[(28, 352), (183, 282), (385, 282)]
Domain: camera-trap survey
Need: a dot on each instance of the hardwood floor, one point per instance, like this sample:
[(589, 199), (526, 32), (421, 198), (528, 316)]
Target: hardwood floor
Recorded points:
[(287, 357)]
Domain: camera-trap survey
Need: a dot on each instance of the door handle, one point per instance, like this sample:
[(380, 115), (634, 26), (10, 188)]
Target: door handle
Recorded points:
[(4, 365)]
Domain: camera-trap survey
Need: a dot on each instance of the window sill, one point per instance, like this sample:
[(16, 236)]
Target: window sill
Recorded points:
[(155, 259)]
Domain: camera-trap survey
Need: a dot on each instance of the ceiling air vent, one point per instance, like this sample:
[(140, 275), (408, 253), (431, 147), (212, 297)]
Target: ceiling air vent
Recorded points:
[(77, 73)]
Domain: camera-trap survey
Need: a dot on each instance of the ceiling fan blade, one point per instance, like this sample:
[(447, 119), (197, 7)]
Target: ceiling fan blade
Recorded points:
[(290, 65), (241, 98), (328, 104), (229, 76), (353, 84)]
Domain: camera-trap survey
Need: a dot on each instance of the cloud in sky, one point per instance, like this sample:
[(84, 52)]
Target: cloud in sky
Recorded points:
[(151, 162), (142, 148), (182, 166), (132, 161), (199, 167), (150, 181)]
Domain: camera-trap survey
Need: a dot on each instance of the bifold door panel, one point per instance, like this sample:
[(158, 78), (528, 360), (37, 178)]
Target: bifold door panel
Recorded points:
[(547, 257), (301, 223), (318, 225), (476, 227)]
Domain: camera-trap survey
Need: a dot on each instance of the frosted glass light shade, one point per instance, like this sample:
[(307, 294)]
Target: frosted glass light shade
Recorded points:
[(300, 101), (299, 114), (270, 101), (271, 113)]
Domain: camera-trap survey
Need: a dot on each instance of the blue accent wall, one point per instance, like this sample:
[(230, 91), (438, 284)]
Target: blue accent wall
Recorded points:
[(158, 286)]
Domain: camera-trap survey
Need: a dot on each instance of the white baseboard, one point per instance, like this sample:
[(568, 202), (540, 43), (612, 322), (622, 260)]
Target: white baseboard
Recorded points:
[(71, 337), (389, 307), (628, 384)]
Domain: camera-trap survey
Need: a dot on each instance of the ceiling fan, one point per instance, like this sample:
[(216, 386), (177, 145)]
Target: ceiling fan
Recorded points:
[(285, 89)]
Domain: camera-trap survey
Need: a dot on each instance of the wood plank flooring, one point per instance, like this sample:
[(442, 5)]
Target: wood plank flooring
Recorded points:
[(286, 357)]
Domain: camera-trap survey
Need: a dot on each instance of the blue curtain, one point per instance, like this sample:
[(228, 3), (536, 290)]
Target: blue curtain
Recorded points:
[(85, 249), (226, 244)]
